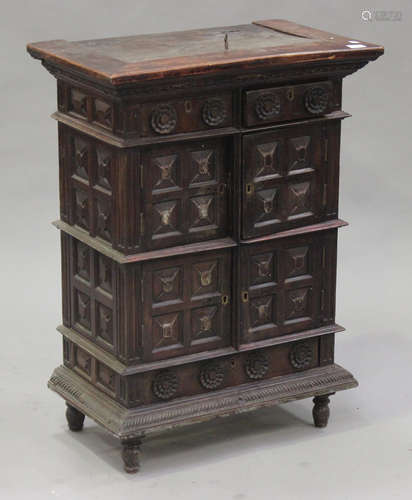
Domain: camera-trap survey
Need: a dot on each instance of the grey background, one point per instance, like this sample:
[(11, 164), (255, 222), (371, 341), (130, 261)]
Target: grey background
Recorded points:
[(366, 452)]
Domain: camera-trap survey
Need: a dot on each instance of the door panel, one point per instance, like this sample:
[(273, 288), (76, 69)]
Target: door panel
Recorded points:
[(287, 285), (185, 192), (283, 172), (187, 304)]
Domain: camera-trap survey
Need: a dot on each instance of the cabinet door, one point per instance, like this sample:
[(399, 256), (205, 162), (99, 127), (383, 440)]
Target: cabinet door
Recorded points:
[(283, 172), (187, 304), (185, 192), (288, 285)]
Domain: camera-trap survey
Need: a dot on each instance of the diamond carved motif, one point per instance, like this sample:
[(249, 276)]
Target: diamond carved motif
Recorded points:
[(299, 198), (105, 323), (81, 158), (166, 171), (267, 202), (262, 269), (103, 219), (203, 166), (204, 277), (167, 330), (104, 166), (267, 163), (82, 208), (203, 322), (83, 261), (167, 284), (297, 303), (299, 153), (166, 216), (297, 261), (83, 310), (203, 210)]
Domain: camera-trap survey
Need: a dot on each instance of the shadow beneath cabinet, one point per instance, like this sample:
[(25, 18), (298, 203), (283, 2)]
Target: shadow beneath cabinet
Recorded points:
[(209, 442)]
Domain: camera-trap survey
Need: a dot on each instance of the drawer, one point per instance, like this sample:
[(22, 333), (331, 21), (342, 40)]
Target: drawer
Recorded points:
[(287, 285), (187, 304), (176, 116), (185, 193), (291, 102), (284, 173)]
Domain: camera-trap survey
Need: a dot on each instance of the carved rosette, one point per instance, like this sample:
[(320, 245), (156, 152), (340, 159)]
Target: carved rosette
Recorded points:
[(214, 112), (165, 385), (212, 375), (163, 119), (267, 106), (301, 355), (316, 100), (257, 366)]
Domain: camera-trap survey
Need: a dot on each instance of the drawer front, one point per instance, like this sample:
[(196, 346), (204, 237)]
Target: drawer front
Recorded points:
[(283, 179), (185, 192), (181, 115), (287, 286), (292, 102), (221, 373), (187, 304)]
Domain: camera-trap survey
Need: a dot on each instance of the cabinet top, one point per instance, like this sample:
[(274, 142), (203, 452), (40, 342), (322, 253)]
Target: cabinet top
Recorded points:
[(131, 59)]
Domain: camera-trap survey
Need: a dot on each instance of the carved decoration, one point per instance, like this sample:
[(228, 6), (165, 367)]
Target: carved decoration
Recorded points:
[(82, 209), (165, 385), (297, 303), (104, 165), (316, 100), (299, 198), (166, 171), (203, 165), (105, 323), (301, 355), (267, 199), (103, 222), (131, 455), (214, 112), (212, 375), (267, 106), (81, 158), (257, 366), (267, 159), (163, 119)]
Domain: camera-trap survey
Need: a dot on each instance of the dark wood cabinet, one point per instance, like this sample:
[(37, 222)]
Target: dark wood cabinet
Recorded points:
[(198, 218)]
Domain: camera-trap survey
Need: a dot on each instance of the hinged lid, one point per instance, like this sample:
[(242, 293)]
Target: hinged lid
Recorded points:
[(131, 59)]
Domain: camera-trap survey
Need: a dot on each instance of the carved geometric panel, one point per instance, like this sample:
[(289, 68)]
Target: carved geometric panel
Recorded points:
[(104, 322), (81, 212), (299, 200), (82, 262), (83, 361), (297, 261), (202, 211), (298, 304), (105, 376), (103, 113), (262, 311), (166, 217), (204, 323), (103, 218), (78, 102), (203, 166), (267, 206), (299, 154), (81, 158), (263, 269), (166, 173), (205, 278), (104, 272), (82, 310), (267, 160), (168, 285), (167, 330), (104, 167)]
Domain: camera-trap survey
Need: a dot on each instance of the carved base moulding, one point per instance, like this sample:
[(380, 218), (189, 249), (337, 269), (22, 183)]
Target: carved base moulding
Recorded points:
[(127, 423)]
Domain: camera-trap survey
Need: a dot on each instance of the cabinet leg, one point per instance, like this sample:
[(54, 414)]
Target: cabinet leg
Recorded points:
[(131, 455), (75, 418), (321, 410)]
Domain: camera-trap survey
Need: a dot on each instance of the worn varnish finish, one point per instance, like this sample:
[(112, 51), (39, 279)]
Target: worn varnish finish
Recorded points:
[(199, 177)]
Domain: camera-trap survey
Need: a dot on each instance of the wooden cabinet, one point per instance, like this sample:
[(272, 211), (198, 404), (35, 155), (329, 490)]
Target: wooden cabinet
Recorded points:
[(198, 218)]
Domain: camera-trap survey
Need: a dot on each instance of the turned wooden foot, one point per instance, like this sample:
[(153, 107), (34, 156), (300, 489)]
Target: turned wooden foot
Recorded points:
[(75, 418), (321, 410), (131, 455)]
